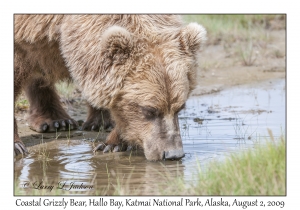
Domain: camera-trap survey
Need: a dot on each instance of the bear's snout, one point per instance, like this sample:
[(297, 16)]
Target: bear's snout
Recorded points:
[(164, 142), (174, 154)]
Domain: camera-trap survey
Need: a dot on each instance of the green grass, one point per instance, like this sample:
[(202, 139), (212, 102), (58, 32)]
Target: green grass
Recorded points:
[(21, 104), (65, 89), (260, 171), (231, 28)]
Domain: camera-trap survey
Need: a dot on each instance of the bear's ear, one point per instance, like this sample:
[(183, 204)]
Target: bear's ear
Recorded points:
[(116, 44), (191, 38)]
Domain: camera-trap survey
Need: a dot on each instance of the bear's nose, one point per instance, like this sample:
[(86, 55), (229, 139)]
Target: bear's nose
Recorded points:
[(174, 154)]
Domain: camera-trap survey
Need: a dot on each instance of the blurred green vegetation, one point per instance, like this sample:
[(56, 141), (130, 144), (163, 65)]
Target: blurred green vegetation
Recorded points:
[(233, 27)]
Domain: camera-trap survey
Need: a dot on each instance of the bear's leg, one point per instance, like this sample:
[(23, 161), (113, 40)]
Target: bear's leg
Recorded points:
[(19, 147), (46, 113), (97, 119)]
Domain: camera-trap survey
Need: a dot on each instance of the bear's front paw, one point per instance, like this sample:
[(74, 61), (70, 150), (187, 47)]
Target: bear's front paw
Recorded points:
[(112, 148), (48, 125), (91, 125), (98, 119), (113, 143)]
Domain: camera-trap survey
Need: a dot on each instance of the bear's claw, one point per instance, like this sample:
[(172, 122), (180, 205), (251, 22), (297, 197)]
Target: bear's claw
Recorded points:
[(52, 126), (108, 148), (20, 149), (91, 126), (129, 148), (111, 148), (100, 146)]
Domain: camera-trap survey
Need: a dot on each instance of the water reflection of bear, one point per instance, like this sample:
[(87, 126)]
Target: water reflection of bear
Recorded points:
[(128, 173), (144, 177), (133, 174)]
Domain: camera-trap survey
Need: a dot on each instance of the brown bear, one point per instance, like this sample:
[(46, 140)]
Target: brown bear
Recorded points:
[(140, 69)]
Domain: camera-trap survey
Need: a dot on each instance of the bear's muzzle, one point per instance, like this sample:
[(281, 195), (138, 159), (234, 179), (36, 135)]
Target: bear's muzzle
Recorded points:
[(174, 154)]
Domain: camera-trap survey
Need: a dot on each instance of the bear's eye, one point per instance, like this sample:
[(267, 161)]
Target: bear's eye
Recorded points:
[(149, 112)]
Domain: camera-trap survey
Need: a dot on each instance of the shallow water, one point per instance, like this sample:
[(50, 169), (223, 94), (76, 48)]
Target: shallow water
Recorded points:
[(212, 127), (216, 125)]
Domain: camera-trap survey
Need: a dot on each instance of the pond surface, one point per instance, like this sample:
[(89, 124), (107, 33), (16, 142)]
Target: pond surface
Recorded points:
[(212, 127)]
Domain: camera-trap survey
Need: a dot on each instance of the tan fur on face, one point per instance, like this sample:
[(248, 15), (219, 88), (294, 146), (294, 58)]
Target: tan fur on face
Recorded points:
[(161, 83)]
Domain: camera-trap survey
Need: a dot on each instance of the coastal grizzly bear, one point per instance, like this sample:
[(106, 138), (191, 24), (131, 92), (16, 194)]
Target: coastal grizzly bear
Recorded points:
[(137, 69)]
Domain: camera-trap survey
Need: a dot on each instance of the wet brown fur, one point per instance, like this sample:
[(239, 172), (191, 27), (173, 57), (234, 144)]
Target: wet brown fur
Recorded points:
[(123, 63)]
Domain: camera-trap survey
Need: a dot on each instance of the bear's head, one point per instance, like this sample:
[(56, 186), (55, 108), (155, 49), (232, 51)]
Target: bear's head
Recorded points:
[(146, 84)]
